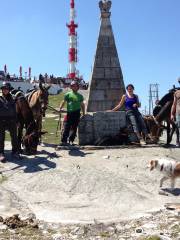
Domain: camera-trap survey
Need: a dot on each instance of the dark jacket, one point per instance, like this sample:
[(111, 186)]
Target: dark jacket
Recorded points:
[(7, 108)]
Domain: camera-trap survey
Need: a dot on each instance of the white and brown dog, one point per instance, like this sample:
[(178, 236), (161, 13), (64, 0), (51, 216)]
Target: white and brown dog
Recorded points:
[(169, 168)]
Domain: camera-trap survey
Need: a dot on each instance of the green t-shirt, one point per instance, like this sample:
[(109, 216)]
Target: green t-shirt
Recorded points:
[(73, 100)]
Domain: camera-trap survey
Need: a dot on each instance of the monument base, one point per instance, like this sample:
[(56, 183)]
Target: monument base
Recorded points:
[(94, 128)]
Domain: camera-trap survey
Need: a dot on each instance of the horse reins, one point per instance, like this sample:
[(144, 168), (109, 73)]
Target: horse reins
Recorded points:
[(59, 121)]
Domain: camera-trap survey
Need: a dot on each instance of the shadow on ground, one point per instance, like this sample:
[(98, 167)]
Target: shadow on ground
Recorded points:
[(175, 191), (30, 165), (53, 145), (78, 153)]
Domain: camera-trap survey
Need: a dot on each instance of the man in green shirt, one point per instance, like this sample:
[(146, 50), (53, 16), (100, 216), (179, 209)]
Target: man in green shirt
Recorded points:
[(75, 103)]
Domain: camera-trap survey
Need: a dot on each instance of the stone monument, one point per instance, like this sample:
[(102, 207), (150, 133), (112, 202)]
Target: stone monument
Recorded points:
[(106, 87)]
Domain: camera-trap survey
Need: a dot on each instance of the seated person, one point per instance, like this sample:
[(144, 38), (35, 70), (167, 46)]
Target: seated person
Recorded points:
[(131, 103)]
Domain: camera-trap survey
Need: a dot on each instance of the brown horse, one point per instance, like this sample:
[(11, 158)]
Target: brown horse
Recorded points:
[(161, 115), (38, 102), (25, 119), (154, 129)]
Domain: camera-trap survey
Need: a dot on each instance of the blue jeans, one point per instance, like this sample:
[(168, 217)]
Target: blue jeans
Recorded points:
[(137, 121), (178, 120)]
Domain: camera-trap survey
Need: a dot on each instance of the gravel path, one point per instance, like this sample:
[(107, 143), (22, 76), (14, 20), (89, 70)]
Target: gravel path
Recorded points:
[(83, 186)]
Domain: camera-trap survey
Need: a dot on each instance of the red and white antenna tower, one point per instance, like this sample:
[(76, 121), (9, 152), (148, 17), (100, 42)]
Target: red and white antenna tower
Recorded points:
[(72, 75)]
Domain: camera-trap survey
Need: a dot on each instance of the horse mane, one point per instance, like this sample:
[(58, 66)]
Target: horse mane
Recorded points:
[(164, 111), (164, 105), (33, 98), (166, 98)]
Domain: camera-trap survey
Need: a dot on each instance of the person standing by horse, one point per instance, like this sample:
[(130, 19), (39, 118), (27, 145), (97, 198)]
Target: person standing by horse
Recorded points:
[(175, 112), (75, 103), (8, 121), (131, 102)]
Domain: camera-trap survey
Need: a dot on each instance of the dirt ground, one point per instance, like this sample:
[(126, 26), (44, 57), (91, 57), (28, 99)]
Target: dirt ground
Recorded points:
[(86, 186)]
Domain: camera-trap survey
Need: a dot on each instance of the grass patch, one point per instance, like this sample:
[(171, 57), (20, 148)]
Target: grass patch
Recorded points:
[(176, 230), (150, 238), (2, 178), (26, 233), (55, 100), (50, 125), (105, 234)]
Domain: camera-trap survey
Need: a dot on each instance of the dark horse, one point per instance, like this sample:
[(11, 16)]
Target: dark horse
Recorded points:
[(38, 102), (25, 119), (162, 113)]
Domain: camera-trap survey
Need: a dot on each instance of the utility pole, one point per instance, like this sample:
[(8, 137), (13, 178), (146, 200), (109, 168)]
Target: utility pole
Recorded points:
[(153, 96)]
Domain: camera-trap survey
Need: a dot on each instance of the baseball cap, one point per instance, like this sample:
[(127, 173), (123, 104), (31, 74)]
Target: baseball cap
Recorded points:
[(74, 83)]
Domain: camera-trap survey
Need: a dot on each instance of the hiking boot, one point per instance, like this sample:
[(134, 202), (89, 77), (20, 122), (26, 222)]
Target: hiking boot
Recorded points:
[(2, 158)]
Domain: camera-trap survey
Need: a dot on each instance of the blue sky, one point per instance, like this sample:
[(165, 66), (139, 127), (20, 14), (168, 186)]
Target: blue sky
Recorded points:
[(147, 34)]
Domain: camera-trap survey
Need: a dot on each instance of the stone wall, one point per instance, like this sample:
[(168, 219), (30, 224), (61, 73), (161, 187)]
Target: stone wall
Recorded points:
[(94, 126)]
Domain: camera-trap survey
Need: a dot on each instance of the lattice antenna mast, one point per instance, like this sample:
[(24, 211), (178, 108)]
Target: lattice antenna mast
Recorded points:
[(153, 96)]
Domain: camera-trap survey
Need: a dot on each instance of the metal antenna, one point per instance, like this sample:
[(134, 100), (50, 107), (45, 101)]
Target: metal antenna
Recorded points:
[(153, 96)]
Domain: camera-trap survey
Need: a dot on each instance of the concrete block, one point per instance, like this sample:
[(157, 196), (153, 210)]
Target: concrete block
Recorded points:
[(99, 61), (86, 130), (112, 95), (108, 123), (98, 72), (114, 62), (102, 84), (117, 84), (96, 106), (106, 62), (97, 95), (112, 41), (100, 124), (110, 52), (113, 73), (108, 73)]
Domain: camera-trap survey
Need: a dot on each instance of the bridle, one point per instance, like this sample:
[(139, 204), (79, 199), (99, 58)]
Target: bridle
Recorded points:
[(43, 100)]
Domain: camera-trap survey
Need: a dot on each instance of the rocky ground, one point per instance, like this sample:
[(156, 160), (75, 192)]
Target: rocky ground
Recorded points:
[(161, 225), (88, 194)]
